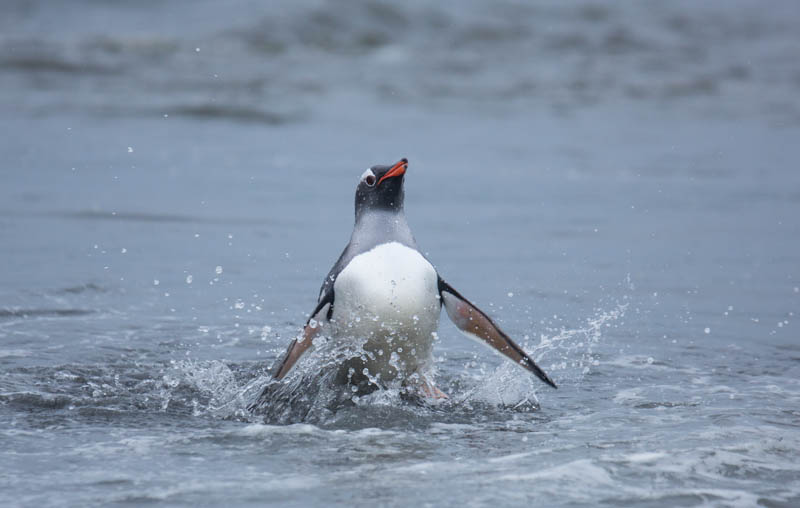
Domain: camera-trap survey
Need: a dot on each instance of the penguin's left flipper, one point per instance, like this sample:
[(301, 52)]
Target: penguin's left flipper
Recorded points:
[(474, 323), (311, 330)]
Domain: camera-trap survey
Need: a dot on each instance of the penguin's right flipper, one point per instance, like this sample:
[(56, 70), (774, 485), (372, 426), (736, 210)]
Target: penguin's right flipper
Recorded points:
[(313, 326), (474, 323)]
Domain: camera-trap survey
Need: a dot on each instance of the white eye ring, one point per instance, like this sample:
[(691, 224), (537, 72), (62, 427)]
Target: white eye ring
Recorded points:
[(368, 177)]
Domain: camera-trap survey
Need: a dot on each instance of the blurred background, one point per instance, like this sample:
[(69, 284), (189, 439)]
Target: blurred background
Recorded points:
[(617, 183)]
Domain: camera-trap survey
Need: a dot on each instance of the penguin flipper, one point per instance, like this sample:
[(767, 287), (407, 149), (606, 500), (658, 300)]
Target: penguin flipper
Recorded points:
[(474, 323), (310, 330)]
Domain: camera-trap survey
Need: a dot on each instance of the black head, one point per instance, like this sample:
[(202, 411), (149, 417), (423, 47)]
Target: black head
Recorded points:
[(381, 188)]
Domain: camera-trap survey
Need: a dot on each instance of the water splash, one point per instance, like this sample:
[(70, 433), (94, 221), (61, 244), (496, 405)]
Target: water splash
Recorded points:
[(576, 346), (509, 387), (313, 393)]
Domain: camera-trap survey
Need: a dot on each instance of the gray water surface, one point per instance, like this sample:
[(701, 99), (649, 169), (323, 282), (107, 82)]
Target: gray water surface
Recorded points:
[(616, 185)]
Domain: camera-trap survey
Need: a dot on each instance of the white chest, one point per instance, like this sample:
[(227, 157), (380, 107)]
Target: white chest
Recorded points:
[(392, 289)]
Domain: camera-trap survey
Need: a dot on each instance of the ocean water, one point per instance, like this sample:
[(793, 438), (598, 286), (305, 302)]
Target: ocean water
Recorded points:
[(617, 185)]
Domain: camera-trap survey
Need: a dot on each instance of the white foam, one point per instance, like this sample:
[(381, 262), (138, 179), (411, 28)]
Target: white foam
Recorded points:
[(262, 430), (582, 471), (509, 458), (628, 395), (644, 457)]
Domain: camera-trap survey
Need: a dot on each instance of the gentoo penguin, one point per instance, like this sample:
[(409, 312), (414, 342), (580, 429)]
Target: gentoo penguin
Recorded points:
[(384, 294)]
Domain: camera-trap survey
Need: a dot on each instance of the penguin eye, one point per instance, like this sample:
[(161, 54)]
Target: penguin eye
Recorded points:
[(370, 180)]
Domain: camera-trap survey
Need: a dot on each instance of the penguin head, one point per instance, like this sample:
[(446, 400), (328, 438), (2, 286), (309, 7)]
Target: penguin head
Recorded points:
[(381, 188)]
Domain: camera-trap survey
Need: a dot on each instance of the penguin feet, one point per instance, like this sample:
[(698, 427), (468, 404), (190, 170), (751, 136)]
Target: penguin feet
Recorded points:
[(422, 389), (430, 391)]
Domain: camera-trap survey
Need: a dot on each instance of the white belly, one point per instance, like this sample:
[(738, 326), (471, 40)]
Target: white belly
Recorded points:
[(389, 298)]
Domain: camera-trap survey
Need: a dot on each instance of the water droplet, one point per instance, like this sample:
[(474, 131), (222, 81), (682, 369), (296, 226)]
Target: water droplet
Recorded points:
[(156, 282), (510, 294), (130, 149), (189, 279), (650, 360), (707, 330), (124, 250)]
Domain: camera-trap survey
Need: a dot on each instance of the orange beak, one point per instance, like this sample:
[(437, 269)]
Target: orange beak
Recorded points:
[(399, 169)]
